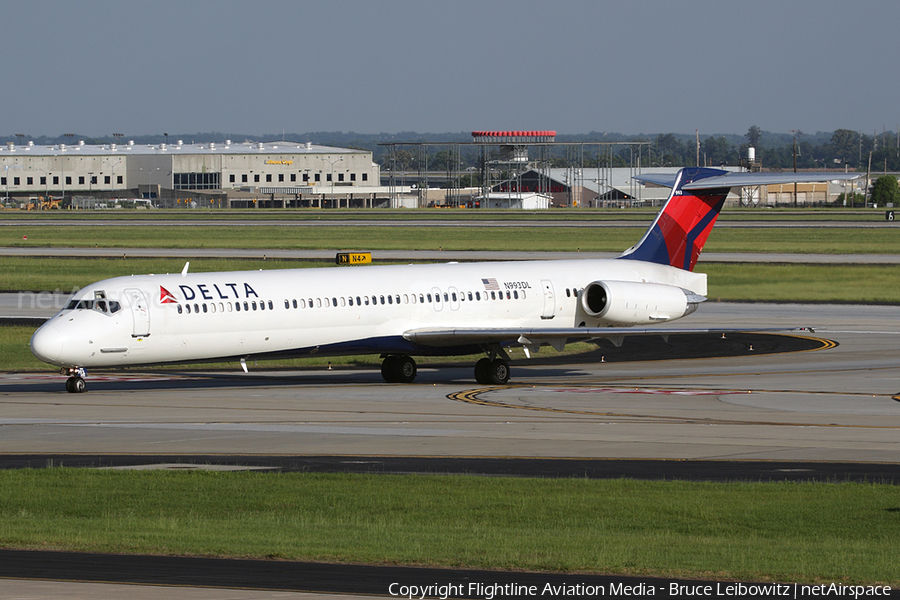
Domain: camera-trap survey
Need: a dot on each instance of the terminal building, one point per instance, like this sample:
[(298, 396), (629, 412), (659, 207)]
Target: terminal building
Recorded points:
[(248, 174)]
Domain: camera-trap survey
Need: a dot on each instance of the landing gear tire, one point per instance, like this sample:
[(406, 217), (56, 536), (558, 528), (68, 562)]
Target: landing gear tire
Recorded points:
[(499, 371), (398, 369), (76, 385), (482, 371)]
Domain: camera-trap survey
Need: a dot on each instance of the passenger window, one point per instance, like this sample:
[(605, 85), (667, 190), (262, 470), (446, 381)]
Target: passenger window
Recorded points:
[(429, 297), (247, 306), (310, 303), (453, 296), (334, 301), (179, 309), (446, 299), (295, 303), (493, 296), (188, 307), (374, 300), (197, 308), (470, 296), (349, 300), (237, 306), (358, 303), (382, 299), (478, 296), (287, 304), (422, 299), (212, 307), (262, 306), (204, 307), (229, 306), (390, 300), (271, 305), (367, 300), (516, 294)]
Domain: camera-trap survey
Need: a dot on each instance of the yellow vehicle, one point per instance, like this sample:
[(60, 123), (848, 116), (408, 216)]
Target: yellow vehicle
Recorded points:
[(41, 204)]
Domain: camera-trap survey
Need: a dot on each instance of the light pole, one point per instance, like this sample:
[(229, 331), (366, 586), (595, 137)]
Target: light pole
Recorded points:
[(112, 177), (149, 175), (332, 163)]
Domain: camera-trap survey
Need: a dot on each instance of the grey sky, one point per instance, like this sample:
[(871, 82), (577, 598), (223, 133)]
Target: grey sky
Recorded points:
[(95, 67)]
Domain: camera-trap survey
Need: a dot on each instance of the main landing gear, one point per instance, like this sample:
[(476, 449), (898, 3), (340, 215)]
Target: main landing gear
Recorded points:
[(494, 369), (398, 369), (75, 383), (491, 370)]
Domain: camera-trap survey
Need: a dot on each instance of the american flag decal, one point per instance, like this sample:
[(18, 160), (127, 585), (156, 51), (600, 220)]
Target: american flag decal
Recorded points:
[(490, 284)]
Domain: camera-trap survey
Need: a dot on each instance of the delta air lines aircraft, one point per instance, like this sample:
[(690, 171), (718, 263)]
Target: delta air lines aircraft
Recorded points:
[(402, 311)]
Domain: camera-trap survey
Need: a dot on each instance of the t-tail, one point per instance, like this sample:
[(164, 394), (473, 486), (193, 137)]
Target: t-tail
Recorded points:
[(679, 232)]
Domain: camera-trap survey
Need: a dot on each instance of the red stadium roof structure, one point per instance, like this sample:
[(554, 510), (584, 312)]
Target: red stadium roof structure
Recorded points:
[(513, 137)]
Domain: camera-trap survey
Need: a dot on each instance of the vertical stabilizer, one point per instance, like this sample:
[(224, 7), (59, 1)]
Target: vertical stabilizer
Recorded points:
[(677, 235)]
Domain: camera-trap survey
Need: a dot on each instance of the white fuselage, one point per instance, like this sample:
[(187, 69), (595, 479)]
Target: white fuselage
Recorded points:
[(327, 311)]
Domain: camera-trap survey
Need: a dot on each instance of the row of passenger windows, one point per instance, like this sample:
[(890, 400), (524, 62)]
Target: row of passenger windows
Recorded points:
[(212, 307), (404, 299), (374, 300)]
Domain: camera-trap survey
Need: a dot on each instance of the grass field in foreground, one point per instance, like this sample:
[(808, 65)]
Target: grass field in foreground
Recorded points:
[(738, 531)]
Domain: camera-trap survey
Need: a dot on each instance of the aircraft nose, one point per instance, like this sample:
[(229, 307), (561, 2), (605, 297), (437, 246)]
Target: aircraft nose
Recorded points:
[(46, 343)]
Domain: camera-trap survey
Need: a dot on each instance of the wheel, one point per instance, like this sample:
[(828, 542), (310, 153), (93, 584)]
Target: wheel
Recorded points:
[(76, 385), (499, 371), (482, 371), (389, 371), (405, 369)]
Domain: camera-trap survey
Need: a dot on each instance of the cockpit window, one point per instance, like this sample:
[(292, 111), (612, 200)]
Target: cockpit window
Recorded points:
[(99, 303)]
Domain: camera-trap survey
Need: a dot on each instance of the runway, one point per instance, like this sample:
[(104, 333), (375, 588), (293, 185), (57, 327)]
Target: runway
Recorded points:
[(838, 403)]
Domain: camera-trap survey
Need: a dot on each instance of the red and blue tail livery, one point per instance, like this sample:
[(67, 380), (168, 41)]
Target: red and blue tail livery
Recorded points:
[(680, 230)]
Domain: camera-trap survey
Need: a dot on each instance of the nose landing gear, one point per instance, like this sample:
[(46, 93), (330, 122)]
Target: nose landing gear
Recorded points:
[(75, 383)]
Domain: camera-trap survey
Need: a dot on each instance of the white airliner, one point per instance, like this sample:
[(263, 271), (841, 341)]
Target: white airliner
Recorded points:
[(401, 311)]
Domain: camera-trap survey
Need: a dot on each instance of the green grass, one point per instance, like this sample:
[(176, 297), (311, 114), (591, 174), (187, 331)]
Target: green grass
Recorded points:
[(783, 282), (727, 281), (639, 214), (749, 531), (610, 239)]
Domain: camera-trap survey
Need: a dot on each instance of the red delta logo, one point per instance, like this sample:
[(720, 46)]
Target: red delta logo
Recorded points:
[(166, 297)]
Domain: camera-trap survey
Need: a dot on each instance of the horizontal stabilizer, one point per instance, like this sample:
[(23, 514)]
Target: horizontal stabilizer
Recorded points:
[(731, 179)]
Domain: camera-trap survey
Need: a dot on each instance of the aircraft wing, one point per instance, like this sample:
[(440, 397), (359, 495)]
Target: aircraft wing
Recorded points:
[(559, 336), (730, 179)]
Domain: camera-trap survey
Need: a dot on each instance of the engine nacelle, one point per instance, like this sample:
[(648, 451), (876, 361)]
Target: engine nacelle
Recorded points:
[(636, 303)]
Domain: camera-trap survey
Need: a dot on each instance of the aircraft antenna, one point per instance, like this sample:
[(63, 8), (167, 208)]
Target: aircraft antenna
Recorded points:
[(185, 269)]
